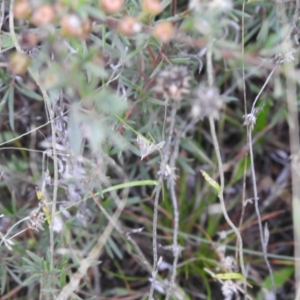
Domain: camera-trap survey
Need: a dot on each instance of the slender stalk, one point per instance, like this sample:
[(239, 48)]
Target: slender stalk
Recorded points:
[(176, 247), (250, 142), (2, 11), (222, 202), (263, 87), (245, 112), (220, 166), (165, 158), (291, 99), (262, 239)]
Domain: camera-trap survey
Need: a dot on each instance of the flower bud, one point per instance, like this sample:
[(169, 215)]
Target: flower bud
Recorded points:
[(152, 7), (22, 9), (111, 6), (129, 26), (42, 15), (73, 26), (18, 63), (164, 31)]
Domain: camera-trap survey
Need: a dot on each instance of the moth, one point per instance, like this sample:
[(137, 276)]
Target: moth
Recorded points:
[(146, 148)]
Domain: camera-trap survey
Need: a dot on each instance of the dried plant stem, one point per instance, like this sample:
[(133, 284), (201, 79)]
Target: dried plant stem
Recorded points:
[(176, 247), (165, 158), (35, 76), (245, 111), (250, 145), (154, 236), (2, 11), (263, 87), (291, 99), (293, 122), (262, 239), (220, 166), (222, 202)]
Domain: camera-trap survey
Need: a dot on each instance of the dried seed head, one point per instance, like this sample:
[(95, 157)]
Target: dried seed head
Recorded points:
[(173, 82), (167, 172), (230, 264), (37, 219), (250, 119), (229, 289), (208, 102), (287, 57)]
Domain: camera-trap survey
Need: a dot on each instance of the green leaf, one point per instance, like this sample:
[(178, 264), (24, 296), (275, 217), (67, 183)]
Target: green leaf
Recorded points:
[(157, 69), (35, 258), (229, 276), (280, 278), (3, 279), (108, 102), (264, 32), (14, 277), (185, 166), (238, 170), (129, 184), (11, 107), (63, 278), (211, 181), (115, 248), (30, 265), (6, 42), (4, 99), (27, 92), (33, 278)]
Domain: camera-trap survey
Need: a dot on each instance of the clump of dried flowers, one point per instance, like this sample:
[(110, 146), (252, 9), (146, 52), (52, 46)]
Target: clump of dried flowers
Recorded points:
[(207, 103), (173, 82)]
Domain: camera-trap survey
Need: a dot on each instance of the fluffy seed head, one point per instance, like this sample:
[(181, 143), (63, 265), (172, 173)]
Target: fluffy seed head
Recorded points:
[(173, 82), (208, 102)]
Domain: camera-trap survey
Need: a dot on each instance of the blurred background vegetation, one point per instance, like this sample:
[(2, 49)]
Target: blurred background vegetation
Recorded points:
[(79, 81)]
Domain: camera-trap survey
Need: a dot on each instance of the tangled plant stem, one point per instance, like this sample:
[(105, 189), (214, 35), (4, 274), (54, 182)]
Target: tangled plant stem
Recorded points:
[(220, 166)]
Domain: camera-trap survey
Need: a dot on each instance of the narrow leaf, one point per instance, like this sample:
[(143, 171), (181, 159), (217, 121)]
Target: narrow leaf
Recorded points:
[(11, 108), (211, 181), (229, 276)]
